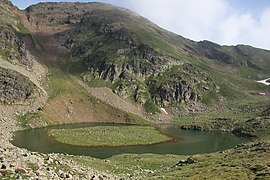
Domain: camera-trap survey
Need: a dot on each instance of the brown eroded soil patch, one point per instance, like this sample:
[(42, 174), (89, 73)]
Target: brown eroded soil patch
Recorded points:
[(78, 108)]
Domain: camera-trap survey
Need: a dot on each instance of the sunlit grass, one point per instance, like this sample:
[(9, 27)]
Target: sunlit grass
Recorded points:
[(109, 136)]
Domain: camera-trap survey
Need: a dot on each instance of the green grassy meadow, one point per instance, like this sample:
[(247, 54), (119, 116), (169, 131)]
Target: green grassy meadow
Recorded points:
[(109, 136)]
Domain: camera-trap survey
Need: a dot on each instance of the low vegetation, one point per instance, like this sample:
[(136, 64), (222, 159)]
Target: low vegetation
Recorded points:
[(109, 136), (230, 116), (246, 161)]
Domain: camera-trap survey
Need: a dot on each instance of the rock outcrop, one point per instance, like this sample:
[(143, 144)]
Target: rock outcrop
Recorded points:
[(12, 47), (14, 87), (137, 70), (12, 32), (254, 127)]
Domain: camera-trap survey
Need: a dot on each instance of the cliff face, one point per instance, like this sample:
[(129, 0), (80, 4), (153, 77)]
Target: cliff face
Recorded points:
[(180, 84), (137, 70), (12, 47)]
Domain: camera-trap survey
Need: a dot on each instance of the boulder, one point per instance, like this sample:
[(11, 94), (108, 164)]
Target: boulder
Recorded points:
[(189, 160), (3, 166)]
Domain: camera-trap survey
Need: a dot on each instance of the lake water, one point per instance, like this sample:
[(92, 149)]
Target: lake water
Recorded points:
[(184, 142)]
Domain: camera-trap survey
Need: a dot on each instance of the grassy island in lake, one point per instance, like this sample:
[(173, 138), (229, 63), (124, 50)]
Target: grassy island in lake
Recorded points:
[(109, 136)]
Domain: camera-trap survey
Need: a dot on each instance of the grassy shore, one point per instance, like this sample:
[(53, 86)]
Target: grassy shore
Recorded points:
[(109, 136), (247, 161)]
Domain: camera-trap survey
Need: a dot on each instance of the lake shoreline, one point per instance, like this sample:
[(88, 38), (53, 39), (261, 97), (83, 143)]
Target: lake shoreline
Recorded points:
[(183, 143)]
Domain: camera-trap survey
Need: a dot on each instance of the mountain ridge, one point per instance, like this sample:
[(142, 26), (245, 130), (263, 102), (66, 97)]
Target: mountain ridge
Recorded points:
[(137, 59), (127, 50)]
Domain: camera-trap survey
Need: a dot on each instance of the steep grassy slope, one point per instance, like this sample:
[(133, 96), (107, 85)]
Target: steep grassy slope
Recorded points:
[(119, 49)]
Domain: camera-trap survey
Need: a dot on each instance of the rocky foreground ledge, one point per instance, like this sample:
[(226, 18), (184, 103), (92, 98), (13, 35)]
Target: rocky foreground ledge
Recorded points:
[(16, 163)]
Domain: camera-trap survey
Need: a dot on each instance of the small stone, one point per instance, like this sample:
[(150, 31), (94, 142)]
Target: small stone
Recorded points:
[(60, 172), (68, 176), (94, 177), (62, 175), (49, 160), (3, 166), (191, 160)]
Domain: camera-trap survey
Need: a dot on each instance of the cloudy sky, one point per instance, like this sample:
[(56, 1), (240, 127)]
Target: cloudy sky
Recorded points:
[(226, 22)]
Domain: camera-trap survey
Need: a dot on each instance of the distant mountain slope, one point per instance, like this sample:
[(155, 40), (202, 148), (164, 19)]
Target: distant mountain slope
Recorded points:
[(114, 47), (139, 60), (240, 56)]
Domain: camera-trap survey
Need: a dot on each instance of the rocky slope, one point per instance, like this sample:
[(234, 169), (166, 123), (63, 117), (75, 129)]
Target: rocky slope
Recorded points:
[(18, 163), (116, 49), (239, 55), (14, 87), (12, 46), (140, 60)]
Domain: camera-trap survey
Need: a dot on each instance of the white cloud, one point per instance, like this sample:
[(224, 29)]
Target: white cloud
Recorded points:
[(236, 29), (261, 31), (214, 20), (187, 17)]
